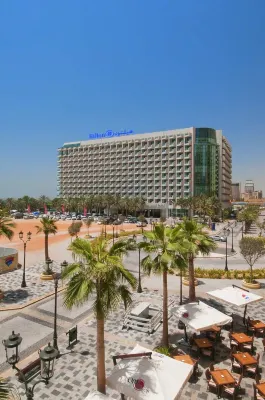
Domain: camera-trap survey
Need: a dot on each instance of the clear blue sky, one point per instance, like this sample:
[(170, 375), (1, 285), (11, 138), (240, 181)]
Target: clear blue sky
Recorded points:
[(70, 68)]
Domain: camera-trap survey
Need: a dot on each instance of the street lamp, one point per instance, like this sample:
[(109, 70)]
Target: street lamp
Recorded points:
[(20, 235), (47, 357), (55, 335), (139, 288), (226, 266), (64, 264), (242, 229), (113, 228), (232, 248)]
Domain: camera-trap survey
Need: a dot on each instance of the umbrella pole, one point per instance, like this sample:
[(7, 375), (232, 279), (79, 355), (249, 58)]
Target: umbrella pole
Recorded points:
[(245, 312), (186, 335)]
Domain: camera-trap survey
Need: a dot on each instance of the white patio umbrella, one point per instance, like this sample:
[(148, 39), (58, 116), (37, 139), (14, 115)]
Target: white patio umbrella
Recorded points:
[(156, 378), (235, 295), (199, 316), (97, 396)]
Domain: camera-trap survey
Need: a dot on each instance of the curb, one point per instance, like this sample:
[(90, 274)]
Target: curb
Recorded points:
[(36, 300)]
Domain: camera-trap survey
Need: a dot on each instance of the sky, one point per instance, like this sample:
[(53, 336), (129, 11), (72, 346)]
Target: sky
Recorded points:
[(71, 68)]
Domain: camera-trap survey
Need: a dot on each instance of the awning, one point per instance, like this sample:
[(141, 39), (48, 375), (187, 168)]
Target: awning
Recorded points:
[(97, 396), (234, 295), (199, 316), (156, 378)]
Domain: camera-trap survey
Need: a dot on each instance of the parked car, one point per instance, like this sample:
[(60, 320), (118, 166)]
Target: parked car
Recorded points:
[(74, 218), (68, 218), (218, 238), (116, 222), (63, 217), (141, 224), (18, 215)]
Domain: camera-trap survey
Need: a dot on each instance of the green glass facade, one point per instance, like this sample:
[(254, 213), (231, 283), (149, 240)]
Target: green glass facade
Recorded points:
[(206, 162)]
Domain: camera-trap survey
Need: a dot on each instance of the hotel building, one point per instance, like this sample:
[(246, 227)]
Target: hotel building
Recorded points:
[(159, 166)]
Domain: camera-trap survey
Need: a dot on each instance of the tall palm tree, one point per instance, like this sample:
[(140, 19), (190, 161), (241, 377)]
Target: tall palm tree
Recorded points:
[(4, 390), (9, 203), (6, 225), (186, 203), (47, 227), (169, 255), (196, 240), (98, 270)]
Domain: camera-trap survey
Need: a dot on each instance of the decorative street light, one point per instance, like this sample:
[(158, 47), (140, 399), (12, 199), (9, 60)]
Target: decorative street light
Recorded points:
[(55, 335), (64, 264), (113, 227), (47, 357), (20, 235), (139, 288), (242, 229)]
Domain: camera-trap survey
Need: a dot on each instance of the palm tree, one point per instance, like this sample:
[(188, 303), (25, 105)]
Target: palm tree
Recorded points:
[(4, 390), (169, 255), (98, 270), (47, 227), (186, 203), (9, 203), (6, 225), (196, 240)]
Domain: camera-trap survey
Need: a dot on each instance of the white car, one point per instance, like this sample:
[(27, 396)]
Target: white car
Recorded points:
[(68, 218), (63, 217), (141, 224), (73, 217)]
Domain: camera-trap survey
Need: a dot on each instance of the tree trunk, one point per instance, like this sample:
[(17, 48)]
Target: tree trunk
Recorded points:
[(251, 274), (101, 373), (192, 296), (165, 310), (46, 245)]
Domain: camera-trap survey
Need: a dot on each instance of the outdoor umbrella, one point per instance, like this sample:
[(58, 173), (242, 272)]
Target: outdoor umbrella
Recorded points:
[(236, 296), (156, 378), (199, 316)]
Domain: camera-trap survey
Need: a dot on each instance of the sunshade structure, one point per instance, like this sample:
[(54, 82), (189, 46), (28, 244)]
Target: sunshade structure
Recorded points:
[(97, 396), (151, 377), (199, 316), (236, 296)]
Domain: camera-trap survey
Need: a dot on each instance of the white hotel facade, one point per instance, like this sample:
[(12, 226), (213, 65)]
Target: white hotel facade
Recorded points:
[(159, 166)]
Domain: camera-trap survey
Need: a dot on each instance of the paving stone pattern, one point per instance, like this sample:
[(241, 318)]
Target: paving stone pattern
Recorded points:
[(10, 283), (75, 371)]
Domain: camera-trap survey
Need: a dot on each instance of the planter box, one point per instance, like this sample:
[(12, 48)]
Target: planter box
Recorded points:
[(44, 277), (186, 282), (249, 285)]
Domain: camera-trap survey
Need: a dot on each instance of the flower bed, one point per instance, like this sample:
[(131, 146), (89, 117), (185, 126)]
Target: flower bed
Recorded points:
[(231, 274)]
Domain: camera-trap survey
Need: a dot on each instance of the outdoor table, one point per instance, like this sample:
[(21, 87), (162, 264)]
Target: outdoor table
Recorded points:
[(214, 328), (241, 338), (222, 377), (257, 324), (186, 359), (203, 343), (245, 359), (261, 388)]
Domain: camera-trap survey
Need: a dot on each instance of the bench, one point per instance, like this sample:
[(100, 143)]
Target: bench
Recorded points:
[(30, 371)]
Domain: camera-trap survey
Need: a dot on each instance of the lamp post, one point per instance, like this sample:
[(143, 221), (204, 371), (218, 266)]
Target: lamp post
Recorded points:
[(20, 235), (113, 228), (47, 357), (64, 264), (242, 229), (55, 335), (139, 288), (232, 248), (226, 265)]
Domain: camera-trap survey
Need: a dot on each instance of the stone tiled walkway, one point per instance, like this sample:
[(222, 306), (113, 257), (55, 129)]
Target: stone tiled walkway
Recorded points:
[(75, 372), (10, 283)]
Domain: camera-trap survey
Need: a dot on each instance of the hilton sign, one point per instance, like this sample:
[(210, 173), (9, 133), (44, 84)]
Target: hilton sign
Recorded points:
[(109, 134)]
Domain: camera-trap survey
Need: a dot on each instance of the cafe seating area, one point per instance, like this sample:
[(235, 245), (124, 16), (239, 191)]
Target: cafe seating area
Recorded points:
[(227, 356)]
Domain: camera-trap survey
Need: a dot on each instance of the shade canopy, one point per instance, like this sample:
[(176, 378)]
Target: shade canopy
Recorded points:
[(199, 316), (233, 295), (158, 378), (97, 396)]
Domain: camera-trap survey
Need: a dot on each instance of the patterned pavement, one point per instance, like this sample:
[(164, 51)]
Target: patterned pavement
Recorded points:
[(75, 371)]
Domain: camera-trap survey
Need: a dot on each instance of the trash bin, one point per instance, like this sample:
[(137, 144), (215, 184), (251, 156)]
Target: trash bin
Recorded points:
[(213, 226)]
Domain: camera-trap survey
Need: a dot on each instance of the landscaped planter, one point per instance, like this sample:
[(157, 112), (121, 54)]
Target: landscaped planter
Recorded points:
[(186, 282), (253, 285), (44, 277)]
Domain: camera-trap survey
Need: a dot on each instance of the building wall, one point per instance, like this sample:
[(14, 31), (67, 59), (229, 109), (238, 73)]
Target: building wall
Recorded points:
[(225, 169), (236, 191), (8, 259), (160, 166)]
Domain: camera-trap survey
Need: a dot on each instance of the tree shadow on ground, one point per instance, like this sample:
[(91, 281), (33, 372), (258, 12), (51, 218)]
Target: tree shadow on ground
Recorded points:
[(14, 296)]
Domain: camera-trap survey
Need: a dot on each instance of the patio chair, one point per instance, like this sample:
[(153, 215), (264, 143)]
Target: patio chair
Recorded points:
[(250, 328), (214, 336), (249, 346), (253, 369), (235, 364), (233, 343), (180, 352), (192, 345), (211, 366), (257, 396), (208, 352), (232, 391), (236, 376), (211, 385)]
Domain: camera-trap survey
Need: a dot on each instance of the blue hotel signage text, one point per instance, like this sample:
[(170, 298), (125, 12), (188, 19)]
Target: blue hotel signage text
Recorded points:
[(109, 134)]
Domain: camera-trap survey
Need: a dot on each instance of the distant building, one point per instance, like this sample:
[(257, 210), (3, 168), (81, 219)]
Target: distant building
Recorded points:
[(236, 191), (249, 186), (256, 195)]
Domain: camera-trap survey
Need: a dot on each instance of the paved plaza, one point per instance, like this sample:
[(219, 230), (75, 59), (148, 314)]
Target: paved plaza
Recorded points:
[(75, 371)]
